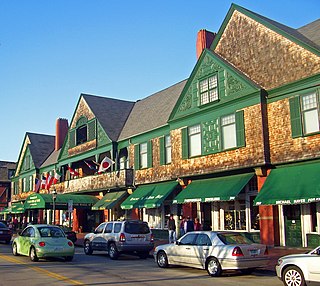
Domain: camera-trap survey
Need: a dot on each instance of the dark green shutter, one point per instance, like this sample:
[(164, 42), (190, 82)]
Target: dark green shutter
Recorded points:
[(149, 144), (162, 151), (72, 138), (92, 130), (136, 157), (295, 115), (185, 143), (241, 136)]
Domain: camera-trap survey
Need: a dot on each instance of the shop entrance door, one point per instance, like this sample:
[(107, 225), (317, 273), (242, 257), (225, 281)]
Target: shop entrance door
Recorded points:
[(292, 218), (206, 216)]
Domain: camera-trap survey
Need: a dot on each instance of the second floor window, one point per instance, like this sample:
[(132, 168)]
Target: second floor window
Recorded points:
[(194, 133), (81, 134), (208, 90), (143, 155), (304, 114), (167, 142), (228, 130)]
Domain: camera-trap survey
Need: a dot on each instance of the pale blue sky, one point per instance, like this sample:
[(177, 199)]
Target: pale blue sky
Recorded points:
[(52, 51)]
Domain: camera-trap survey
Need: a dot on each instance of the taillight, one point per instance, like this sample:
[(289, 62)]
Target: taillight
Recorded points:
[(237, 251), (122, 237), (266, 252), (152, 237), (70, 243), (42, 243)]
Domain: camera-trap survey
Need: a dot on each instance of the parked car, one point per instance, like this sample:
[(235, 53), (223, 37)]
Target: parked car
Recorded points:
[(5, 233), (42, 241), (300, 269), (116, 237), (69, 232), (214, 251)]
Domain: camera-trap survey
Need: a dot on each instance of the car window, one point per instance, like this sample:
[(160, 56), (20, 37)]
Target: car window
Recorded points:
[(109, 228), (100, 228), (31, 232), (117, 227), (136, 228), (26, 232), (51, 232), (234, 238), (203, 240), (188, 239)]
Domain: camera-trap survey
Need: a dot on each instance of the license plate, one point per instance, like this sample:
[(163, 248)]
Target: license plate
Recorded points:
[(254, 252), (58, 248)]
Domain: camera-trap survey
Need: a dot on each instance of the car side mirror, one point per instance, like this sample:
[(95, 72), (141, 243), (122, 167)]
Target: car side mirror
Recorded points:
[(178, 242)]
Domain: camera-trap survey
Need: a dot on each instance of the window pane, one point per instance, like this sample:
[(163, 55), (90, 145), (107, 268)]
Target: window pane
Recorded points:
[(203, 85), (309, 101), (229, 136), (143, 148), (213, 82), (194, 129), (311, 121), (195, 145)]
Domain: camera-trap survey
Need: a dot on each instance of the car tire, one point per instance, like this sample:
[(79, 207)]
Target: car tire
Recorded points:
[(68, 258), (213, 267), (113, 251), (87, 248), (143, 255), (162, 259), (33, 254), (15, 249), (292, 275)]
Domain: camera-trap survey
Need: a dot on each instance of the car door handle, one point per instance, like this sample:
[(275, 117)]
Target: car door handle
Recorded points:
[(188, 248), (206, 249)]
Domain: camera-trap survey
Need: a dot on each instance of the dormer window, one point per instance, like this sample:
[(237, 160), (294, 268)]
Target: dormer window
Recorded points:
[(84, 131), (82, 134), (208, 89)]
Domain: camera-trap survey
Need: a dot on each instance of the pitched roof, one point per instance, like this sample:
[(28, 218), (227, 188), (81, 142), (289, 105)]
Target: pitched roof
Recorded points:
[(111, 113), (152, 112), (312, 31), (52, 159), (41, 147)]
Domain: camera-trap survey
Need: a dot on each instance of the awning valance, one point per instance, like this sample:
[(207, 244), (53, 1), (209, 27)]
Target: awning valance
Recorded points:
[(298, 184), (109, 200), (45, 201), (149, 196), (214, 189)]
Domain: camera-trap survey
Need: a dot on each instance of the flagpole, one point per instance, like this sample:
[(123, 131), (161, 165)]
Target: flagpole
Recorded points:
[(54, 196)]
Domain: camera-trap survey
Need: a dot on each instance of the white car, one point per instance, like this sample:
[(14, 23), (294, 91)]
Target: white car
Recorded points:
[(214, 251), (299, 269)]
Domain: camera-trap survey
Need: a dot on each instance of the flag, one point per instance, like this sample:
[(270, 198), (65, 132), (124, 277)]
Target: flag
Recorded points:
[(73, 172), (43, 182), (105, 164), (49, 181), (91, 167), (37, 184), (57, 176)]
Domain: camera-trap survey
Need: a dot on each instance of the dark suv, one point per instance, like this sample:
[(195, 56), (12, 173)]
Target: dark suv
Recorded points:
[(116, 237)]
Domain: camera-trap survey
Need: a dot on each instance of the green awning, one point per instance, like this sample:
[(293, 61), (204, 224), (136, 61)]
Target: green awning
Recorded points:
[(15, 208), (109, 200), (149, 196), (45, 201), (297, 184), (214, 189)]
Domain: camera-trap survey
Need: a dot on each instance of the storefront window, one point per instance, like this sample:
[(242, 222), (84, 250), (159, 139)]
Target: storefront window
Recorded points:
[(235, 216), (254, 213)]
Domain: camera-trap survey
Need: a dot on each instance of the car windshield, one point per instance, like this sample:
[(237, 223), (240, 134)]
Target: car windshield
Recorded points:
[(136, 227), (48, 231), (2, 225), (234, 238)]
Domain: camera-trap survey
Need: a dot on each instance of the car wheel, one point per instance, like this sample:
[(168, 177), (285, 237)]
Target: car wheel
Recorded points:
[(15, 249), (162, 259), (33, 255), (87, 248), (113, 251), (293, 276), (143, 255), (213, 267), (68, 258)]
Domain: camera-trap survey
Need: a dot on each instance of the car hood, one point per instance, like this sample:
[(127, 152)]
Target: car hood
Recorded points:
[(293, 256)]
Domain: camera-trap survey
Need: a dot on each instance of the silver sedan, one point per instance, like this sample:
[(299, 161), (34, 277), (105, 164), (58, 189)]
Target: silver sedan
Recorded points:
[(214, 251), (298, 269)]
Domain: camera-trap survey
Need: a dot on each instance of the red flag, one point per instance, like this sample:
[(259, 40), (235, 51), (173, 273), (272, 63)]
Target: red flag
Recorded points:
[(105, 164), (43, 182), (49, 181), (73, 172), (57, 176)]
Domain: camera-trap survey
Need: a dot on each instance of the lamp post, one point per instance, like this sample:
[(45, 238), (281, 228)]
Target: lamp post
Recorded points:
[(54, 196)]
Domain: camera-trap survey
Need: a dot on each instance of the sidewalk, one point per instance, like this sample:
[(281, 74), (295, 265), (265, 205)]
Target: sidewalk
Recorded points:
[(274, 252)]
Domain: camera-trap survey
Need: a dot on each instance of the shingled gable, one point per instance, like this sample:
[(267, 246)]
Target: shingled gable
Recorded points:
[(232, 84), (111, 113), (269, 53), (152, 112)]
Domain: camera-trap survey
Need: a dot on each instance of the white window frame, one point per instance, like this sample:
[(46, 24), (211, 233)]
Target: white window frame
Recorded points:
[(167, 147), (310, 113), (143, 153), (228, 131), (208, 89), (194, 137)]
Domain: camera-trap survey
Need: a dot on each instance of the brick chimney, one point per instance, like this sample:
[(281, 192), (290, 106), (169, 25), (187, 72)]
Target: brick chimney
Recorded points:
[(204, 41), (61, 132)]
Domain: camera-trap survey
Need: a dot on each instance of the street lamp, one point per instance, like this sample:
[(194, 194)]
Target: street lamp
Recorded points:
[(54, 196)]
